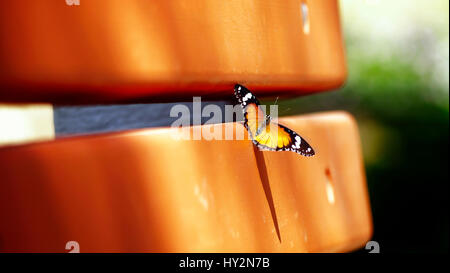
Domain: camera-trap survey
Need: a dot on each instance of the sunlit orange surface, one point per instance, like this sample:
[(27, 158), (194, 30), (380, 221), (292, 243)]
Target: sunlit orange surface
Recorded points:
[(144, 191), (115, 50)]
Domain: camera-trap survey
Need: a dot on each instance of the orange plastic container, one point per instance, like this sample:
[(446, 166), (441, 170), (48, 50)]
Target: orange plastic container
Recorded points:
[(114, 50), (142, 191)]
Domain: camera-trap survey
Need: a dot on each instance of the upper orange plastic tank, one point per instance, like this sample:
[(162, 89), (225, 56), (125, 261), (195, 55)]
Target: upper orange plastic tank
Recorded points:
[(114, 50)]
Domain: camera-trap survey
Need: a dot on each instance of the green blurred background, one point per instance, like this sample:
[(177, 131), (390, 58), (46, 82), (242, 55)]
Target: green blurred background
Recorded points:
[(398, 90)]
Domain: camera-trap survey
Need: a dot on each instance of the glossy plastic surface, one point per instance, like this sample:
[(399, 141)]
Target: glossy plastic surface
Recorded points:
[(114, 50), (143, 191)]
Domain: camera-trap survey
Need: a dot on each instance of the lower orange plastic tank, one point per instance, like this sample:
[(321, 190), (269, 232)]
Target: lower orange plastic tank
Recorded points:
[(143, 191)]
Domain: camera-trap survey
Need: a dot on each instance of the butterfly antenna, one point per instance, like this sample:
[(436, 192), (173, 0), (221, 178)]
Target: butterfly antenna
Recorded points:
[(285, 110)]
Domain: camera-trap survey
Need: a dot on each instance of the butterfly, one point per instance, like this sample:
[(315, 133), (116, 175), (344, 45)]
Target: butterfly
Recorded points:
[(265, 134)]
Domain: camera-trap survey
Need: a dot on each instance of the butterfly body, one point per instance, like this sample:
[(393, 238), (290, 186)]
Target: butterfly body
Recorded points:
[(266, 134)]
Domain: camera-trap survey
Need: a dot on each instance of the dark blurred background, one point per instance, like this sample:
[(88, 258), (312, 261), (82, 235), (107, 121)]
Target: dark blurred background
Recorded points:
[(398, 90)]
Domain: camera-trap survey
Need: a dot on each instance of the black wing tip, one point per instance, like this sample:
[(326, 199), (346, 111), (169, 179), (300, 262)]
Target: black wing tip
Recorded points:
[(238, 86), (307, 154), (303, 152), (240, 89), (311, 151), (242, 95), (306, 149)]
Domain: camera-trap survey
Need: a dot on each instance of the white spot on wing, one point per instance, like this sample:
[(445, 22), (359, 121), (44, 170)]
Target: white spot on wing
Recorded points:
[(298, 140), (247, 96)]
